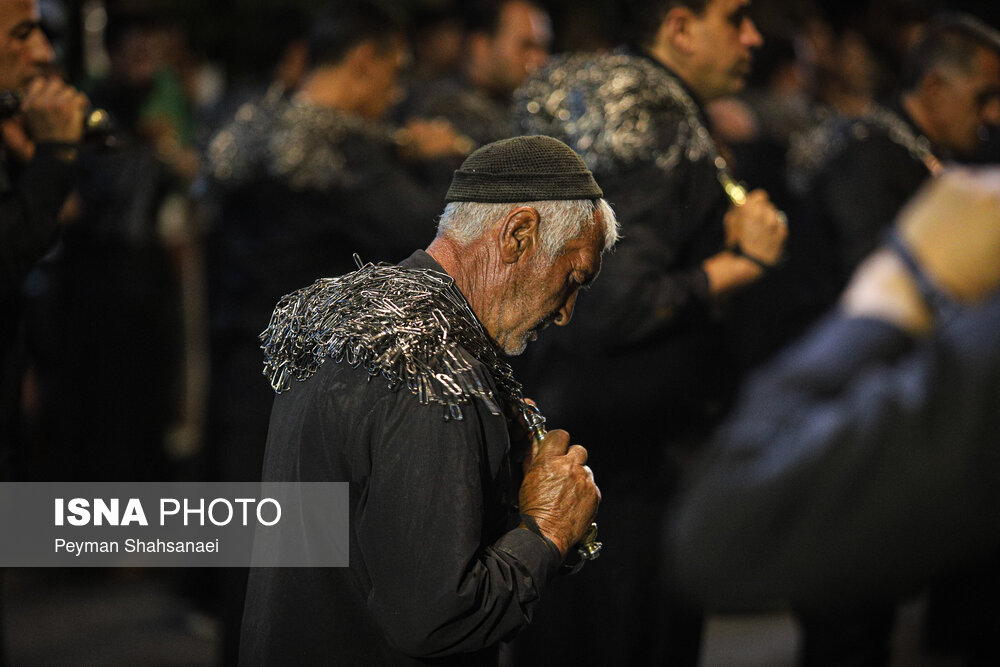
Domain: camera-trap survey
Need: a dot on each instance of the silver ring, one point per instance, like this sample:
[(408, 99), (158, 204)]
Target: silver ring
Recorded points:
[(782, 218)]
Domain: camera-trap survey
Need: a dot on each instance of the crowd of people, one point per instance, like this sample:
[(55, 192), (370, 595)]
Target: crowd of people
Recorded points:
[(755, 157)]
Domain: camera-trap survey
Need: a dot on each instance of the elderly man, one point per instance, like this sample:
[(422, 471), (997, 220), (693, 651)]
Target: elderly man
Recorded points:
[(661, 332), (439, 573)]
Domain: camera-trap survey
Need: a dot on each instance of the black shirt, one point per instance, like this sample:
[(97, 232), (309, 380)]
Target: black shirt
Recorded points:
[(434, 570)]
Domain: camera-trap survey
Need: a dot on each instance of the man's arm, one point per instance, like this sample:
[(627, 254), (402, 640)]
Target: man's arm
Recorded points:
[(864, 459), (44, 138), (440, 587), (653, 280), (29, 212)]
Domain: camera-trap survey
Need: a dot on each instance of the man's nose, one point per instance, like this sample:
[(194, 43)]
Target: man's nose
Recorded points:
[(565, 314), (750, 36), (991, 111), (39, 49)]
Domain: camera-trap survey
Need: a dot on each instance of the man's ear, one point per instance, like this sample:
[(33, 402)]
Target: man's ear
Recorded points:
[(478, 45), (934, 88), (675, 30), (361, 58), (518, 233)]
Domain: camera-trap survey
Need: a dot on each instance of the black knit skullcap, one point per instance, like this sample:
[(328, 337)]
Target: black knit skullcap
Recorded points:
[(523, 169)]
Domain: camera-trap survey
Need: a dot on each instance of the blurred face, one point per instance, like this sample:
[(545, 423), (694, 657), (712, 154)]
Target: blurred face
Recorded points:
[(382, 79), (25, 52), (520, 46), (722, 41), (544, 291), (973, 100)]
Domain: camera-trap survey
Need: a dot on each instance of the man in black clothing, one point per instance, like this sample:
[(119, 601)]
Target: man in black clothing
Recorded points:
[(855, 175), (506, 40), (863, 463), (655, 331), (37, 156), (394, 379), (300, 183)]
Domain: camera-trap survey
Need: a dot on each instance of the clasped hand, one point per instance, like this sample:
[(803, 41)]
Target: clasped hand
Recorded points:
[(559, 491)]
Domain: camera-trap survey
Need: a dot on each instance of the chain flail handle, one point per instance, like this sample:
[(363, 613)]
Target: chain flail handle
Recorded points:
[(588, 548)]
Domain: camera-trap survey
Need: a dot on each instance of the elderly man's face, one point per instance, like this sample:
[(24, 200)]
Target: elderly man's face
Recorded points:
[(723, 38), (544, 291), (25, 52), (973, 100)]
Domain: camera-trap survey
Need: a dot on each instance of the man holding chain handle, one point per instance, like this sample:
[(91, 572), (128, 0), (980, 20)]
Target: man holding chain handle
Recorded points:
[(395, 379)]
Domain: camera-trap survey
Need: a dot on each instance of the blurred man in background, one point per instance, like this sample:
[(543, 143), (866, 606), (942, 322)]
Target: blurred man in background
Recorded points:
[(41, 129), (854, 176), (860, 172), (41, 124), (656, 333), (862, 465), (505, 41)]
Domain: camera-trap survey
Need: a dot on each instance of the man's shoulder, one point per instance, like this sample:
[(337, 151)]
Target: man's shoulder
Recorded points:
[(468, 109), (405, 325), (879, 142), (615, 109), (241, 147), (303, 145)]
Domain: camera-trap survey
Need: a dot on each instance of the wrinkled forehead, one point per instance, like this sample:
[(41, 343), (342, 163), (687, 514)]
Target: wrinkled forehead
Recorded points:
[(585, 250)]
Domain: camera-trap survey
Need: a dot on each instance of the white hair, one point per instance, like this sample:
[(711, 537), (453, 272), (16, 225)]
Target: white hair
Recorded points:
[(559, 221)]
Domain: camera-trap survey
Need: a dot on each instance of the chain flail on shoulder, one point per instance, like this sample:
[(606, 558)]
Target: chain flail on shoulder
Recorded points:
[(617, 110), (813, 152), (410, 326), (294, 140)]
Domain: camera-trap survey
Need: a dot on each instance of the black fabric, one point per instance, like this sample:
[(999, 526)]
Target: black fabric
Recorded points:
[(437, 574), (31, 196), (30, 200), (849, 204), (858, 466), (520, 169), (858, 191), (106, 299), (269, 237), (470, 111)]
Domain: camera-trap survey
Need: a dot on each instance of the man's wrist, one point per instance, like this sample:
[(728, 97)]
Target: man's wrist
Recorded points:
[(64, 151), (726, 270), (529, 523), (761, 264)]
